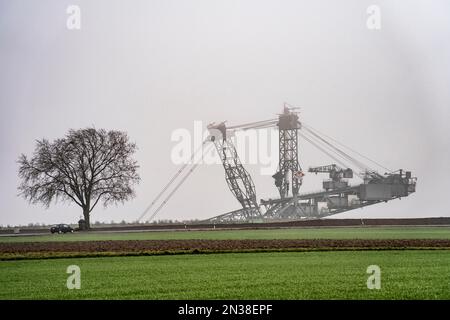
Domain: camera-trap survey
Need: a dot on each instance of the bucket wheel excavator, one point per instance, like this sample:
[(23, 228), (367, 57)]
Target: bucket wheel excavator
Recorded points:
[(338, 194)]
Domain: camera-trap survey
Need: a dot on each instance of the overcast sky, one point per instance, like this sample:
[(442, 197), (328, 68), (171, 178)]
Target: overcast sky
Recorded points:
[(151, 67)]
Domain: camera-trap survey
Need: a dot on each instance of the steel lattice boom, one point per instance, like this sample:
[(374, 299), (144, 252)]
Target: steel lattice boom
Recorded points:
[(238, 179)]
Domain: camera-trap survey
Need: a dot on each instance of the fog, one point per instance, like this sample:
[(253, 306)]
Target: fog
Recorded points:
[(153, 67)]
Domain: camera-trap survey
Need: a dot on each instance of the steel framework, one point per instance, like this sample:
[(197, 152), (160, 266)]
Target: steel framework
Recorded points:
[(289, 170), (238, 179), (337, 194), (337, 197)]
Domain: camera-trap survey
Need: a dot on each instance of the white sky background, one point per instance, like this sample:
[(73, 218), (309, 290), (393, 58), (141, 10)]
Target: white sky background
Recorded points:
[(150, 67)]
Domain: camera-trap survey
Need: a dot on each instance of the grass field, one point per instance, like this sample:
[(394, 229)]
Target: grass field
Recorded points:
[(289, 275), (291, 233), (405, 274)]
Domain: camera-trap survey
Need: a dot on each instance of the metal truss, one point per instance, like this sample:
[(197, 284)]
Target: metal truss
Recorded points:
[(335, 198), (288, 167), (238, 179)]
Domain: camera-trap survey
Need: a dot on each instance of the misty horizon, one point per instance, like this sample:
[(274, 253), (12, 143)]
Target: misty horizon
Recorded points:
[(155, 67)]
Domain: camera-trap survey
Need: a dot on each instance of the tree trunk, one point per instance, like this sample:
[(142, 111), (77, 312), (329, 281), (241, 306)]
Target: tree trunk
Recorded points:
[(86, 218)]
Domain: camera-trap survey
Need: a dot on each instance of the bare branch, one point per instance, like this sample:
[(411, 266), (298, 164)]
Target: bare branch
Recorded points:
[(87, 166)]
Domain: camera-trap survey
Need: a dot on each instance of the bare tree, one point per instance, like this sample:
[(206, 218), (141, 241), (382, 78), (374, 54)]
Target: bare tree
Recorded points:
[(87, 166)]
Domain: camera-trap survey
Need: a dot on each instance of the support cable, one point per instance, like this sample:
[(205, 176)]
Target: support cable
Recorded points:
[(262, 126), (343, 160), (174, 177), (251, 124), (322, 149), (191, 170), (342, 153), (315, 144), (348, 148), (326, 149)]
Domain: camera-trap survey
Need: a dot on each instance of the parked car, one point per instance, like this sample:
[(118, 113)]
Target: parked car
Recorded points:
[(61, 228)]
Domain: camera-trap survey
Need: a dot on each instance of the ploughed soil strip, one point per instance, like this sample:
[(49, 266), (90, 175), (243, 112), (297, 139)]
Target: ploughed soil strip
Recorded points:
[(135, 246)]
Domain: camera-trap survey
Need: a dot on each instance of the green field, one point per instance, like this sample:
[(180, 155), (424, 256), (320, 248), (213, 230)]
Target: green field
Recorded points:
[(287, 275), (291, 233), (405, 274)]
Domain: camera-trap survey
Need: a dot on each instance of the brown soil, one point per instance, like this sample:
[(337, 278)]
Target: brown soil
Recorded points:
[(213, 245)]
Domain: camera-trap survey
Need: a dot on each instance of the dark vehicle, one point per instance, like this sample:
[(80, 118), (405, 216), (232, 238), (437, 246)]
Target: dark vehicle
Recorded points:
[(61, 228)]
